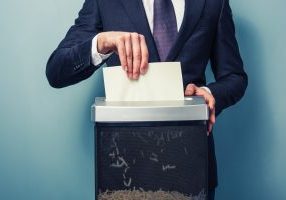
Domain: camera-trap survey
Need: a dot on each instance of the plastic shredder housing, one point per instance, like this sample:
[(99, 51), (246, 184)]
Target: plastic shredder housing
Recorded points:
[(151, 146)]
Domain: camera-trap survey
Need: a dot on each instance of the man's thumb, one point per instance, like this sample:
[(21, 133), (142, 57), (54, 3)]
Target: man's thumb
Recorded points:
[(190, 90)]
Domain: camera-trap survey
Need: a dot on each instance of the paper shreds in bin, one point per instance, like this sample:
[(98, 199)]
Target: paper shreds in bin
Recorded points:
[(147, 195)]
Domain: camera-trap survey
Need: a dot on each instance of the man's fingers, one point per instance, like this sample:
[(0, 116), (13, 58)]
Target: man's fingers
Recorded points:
[(211, 120), (210, 127), (132, 51), (207, 96), (211, 104), (129, 53), (136, 55), (190, 90), (144, 55), (212, 117), (120, 43)]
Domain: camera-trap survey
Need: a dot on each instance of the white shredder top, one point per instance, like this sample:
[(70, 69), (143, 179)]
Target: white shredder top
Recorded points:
[(190, 109)]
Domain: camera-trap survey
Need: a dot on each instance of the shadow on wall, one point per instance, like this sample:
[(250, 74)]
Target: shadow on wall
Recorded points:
[(96, 91), (243, 132), (86, 135)]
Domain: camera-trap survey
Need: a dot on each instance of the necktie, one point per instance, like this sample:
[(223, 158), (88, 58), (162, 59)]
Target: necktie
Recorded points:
[(165, 27)]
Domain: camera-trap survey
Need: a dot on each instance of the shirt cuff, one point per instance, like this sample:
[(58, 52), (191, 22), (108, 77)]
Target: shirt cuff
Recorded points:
[(207, 89), (96, 57)]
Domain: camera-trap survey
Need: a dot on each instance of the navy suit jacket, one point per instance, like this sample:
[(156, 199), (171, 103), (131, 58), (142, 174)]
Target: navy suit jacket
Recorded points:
[(207, 33)]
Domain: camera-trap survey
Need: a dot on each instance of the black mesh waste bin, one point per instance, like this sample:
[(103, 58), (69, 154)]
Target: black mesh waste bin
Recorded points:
[(157, 148)]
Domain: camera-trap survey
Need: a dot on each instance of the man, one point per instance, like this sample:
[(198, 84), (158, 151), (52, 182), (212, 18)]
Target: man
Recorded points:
[(132, 33)]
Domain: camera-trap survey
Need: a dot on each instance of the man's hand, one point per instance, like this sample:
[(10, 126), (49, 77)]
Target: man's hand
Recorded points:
[(131, 48), (192, 89)]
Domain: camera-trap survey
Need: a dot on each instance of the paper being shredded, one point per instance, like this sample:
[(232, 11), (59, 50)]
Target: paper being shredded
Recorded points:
[(162, 82), (148, 195)]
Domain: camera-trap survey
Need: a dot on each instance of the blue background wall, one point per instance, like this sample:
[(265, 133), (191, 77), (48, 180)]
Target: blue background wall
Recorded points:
[(46, 137)]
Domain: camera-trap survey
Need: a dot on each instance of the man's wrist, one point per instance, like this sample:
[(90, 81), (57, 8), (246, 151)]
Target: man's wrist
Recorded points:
[(97, 58), (207, 89)]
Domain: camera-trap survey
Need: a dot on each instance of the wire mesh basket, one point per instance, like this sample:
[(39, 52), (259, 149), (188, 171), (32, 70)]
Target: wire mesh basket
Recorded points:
[(155, 160)]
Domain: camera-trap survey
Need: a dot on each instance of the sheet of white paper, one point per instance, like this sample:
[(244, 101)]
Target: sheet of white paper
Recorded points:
[(163, 81)]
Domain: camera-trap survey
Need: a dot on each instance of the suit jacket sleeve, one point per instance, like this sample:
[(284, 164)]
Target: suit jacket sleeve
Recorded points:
[(227, 66), (71, 61)]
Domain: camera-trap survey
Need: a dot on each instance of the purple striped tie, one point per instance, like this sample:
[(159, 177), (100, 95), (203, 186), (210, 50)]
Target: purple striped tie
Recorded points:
[(165, 27)]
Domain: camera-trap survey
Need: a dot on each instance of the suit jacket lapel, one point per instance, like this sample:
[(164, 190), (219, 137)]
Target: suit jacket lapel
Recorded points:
[(193, 11), (136, 12)]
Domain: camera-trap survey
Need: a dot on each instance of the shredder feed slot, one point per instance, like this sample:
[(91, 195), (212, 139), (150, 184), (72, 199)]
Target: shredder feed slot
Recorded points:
[(190, 109)]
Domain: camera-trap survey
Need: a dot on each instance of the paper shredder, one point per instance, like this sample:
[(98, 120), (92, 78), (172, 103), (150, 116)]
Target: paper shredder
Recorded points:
[(151, 146)]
